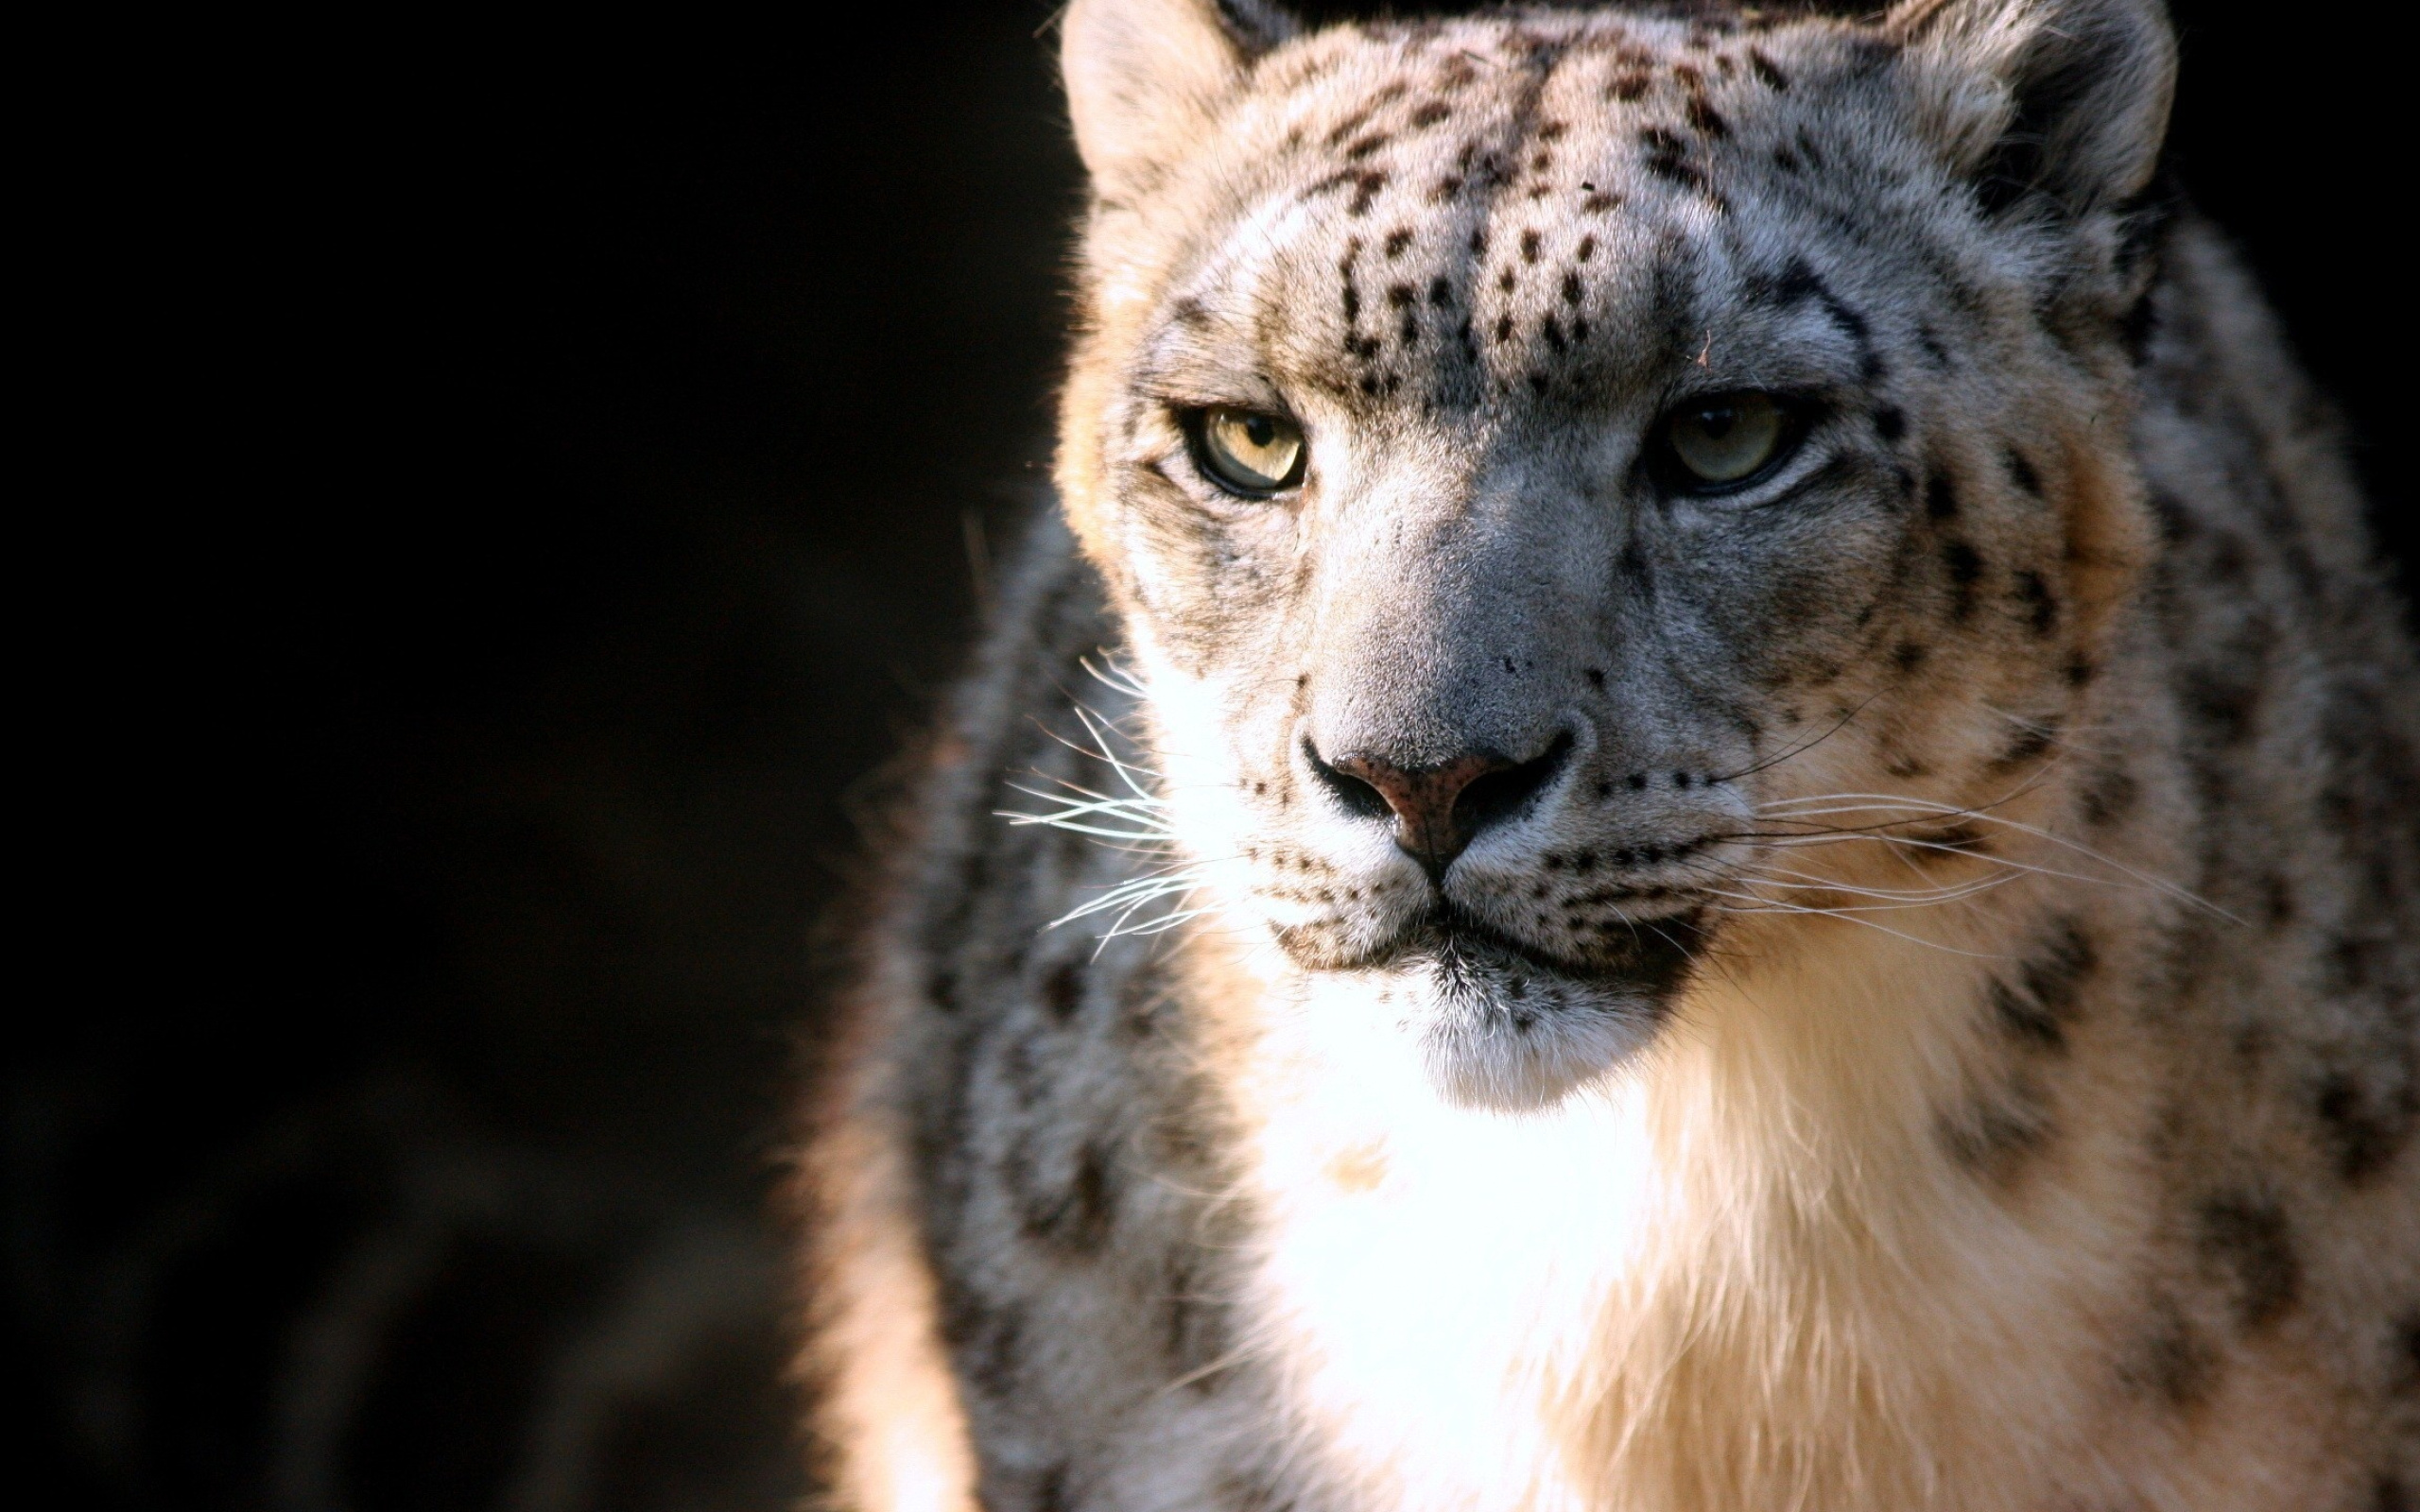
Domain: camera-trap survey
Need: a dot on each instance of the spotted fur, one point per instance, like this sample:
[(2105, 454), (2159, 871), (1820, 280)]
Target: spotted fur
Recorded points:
[(1932, 1023)]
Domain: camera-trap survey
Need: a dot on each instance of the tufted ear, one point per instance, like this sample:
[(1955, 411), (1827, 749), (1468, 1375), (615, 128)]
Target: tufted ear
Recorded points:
[(1144, 76), (2065, 98)]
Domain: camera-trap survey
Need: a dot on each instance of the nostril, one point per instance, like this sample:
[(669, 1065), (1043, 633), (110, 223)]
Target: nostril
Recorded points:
[(1438, 810), (1359, 798), (1505, 792)]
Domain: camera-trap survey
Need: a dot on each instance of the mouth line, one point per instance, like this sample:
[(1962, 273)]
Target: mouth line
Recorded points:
[(1658, 949)]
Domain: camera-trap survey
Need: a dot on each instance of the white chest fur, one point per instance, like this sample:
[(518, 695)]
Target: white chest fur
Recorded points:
[(1741, 1268)]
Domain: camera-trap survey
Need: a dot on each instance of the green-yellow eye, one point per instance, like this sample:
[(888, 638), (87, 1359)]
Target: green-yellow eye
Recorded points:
[(1727, 438), (1247, 452)]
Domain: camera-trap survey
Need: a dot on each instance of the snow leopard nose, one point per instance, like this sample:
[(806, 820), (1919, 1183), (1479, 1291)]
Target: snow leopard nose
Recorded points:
[(1439, 810)]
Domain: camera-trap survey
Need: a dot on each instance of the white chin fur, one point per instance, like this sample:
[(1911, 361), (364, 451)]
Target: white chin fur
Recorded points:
[(1482, 1050)]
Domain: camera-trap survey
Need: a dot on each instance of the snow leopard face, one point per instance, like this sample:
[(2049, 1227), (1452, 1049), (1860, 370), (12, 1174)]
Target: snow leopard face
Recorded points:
[(1555, 467)]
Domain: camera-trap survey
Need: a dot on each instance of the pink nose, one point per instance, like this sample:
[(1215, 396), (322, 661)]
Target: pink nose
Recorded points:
[(1431, 822)]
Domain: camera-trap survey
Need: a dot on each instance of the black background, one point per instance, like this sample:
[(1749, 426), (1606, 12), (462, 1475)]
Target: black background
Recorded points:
[(518, 486)]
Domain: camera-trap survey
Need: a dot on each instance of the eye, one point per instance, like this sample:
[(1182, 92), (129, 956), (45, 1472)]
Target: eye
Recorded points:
[(1725, 440), (1247, 452)]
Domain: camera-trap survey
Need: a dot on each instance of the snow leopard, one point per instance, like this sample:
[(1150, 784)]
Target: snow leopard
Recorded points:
[(1704, 798)]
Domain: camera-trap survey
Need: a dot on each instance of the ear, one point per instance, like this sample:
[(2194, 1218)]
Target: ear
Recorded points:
[(1144, 76), (2065, 98)]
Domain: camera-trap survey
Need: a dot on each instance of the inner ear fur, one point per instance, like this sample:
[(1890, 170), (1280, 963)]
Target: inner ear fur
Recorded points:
[(1145, 77), (2064, 100)]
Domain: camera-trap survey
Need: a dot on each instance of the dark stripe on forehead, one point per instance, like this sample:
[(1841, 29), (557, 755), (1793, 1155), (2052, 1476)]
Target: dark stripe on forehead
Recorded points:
[(1799, 283)]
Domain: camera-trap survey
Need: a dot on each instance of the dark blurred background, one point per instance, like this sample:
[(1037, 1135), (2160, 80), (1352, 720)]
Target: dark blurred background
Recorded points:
[(535, 479)]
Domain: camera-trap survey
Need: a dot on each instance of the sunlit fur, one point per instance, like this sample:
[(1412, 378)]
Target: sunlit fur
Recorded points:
[(1941, 1032)]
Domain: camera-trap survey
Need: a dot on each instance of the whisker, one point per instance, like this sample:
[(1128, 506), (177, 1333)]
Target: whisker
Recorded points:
[(1803, 747), (1767, 905), (1871, 802), (1912, 897)]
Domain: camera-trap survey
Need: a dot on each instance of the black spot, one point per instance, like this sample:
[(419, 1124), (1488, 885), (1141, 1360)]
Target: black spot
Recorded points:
[(2021, 472), (1909, 656), (1074, 1220), (2177, 524), (1441, 293), (2363, 1129), (1799, 281), (1571, 291), (1530, 242), (1995, 1135), (1050, 1491), (2250, 1238), (1890, 424), (2109, 797), (1596, 678), (987, 1341), (940, 989), (1941, 498), (1706, 118), (2041, 607), (2171, 1361), (2222, 697), (1347, 127), (1964, 567), (1430, 113), (1668, 159), (2037, 1009), (2026, 746), (2403, 1356), (1063, 990), (1396, 241)]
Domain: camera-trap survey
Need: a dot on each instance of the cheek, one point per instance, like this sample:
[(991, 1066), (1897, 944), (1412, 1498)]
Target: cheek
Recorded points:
[(1215, 590), (1221, 754), (1794, 602)]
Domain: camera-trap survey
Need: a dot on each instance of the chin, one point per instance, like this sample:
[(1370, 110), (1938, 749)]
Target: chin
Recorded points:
[(1508, 1030)]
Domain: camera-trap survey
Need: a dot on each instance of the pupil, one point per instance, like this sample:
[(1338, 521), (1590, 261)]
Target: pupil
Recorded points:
[(1716, 423), (1260, 430)]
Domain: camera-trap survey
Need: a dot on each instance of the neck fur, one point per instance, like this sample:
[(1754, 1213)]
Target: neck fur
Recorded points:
[(1741, 1271)]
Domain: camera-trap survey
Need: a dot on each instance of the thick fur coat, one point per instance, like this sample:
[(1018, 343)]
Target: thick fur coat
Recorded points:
[(1916, 1007)]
